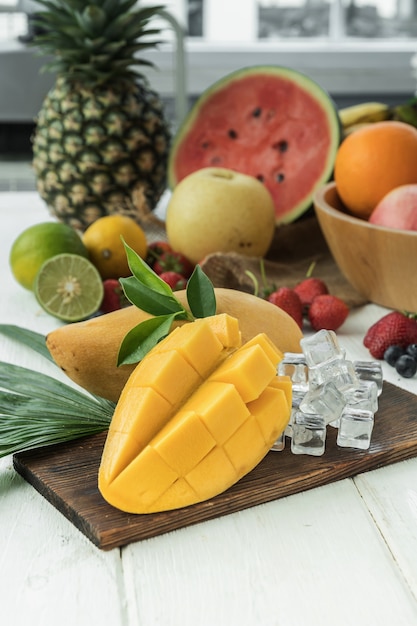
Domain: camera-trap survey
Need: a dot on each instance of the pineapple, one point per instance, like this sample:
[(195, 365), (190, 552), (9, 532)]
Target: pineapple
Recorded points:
[(101, 140)]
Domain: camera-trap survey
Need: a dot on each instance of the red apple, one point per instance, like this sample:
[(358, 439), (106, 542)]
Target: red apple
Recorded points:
[(398, 209)]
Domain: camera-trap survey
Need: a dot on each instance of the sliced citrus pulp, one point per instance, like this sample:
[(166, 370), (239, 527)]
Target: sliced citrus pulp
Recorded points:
[(69, 287)]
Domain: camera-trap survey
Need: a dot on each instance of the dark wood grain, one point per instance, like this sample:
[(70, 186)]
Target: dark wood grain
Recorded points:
[(66, 475)]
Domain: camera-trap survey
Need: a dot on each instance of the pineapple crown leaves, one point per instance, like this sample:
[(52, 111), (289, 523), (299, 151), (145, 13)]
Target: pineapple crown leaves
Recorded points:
[(95, 42)]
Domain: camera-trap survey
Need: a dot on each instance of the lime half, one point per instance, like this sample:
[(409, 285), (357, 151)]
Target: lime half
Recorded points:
[(69, 287), (38, 243)]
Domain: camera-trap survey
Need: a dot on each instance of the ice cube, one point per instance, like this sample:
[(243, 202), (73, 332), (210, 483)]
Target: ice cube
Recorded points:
[(338, 370), (326, 400), (321, 347), (297, 398), (363, 396), (294, 365), (355, 428), (279, 444), (308, 434), (370, 370)]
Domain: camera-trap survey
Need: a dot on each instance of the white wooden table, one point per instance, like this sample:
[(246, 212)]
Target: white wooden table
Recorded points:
[(343, 554)]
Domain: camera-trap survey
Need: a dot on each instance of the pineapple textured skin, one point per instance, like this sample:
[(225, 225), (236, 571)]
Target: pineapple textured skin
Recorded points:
[(100, 150)]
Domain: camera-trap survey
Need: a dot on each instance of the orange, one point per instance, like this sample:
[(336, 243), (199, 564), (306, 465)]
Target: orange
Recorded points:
[(372, 161), (103, 240)]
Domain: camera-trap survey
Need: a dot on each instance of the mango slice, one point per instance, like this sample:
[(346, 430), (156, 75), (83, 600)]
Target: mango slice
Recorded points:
[(198, 413)]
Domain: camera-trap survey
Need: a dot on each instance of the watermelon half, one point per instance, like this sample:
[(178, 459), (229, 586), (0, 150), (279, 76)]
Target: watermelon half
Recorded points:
[(270, 122)]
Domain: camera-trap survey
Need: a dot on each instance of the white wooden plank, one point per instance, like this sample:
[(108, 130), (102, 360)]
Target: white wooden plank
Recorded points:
[(51, 574), (313, 559), (390, 493)]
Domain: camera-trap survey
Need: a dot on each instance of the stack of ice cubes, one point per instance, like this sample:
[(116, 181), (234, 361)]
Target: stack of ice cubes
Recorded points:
[(329, 390)]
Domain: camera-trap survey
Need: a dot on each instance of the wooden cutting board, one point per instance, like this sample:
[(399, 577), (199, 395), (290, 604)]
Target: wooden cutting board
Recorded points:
[(66, 475)]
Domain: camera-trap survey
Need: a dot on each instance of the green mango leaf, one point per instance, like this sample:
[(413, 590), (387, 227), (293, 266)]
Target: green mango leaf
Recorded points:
[(143, 337), (149, 300), (144, 274), (200, 294)]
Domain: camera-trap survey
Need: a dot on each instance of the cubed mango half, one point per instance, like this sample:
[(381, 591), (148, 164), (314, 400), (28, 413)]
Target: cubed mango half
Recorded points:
[(198, 413)]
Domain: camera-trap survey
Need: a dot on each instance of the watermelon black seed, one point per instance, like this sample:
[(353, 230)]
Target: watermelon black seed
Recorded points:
[(279, 177), (257, 112), (232, 134), (281, 146), (205, 145)]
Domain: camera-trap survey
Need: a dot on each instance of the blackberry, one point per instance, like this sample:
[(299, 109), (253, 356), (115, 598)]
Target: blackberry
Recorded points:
[(406, 366), (392, 354)]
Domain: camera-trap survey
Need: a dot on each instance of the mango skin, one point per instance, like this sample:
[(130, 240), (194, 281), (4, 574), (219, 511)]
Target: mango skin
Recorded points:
[(87, 351)]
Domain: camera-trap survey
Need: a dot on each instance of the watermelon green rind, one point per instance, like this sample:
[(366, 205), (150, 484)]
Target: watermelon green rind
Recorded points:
[(222, 130)]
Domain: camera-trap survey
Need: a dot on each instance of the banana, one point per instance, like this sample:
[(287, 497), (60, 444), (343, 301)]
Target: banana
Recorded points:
[(354, 127), (364, 113)]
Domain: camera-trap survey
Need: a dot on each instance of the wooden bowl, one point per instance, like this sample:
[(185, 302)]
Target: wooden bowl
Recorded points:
[(380, 263)]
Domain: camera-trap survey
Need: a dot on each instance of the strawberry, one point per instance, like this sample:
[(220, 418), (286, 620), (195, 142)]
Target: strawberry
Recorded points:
[(114, 297), (308, 289), (173, 262), (395, 328), (175, 280), (155, 250), (288, 301), (327, 312)]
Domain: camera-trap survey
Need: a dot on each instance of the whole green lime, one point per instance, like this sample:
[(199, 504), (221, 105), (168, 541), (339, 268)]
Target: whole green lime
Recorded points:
[(37, 244)]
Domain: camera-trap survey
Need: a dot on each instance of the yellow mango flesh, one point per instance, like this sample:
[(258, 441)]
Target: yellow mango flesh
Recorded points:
[(198, 413)]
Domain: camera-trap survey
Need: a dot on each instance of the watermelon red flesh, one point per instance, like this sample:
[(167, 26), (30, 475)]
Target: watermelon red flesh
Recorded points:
[(269, 122)]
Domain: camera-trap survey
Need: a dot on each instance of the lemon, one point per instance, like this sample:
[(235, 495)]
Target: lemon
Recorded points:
[(103, 240), (38, 243), (69, 287)]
